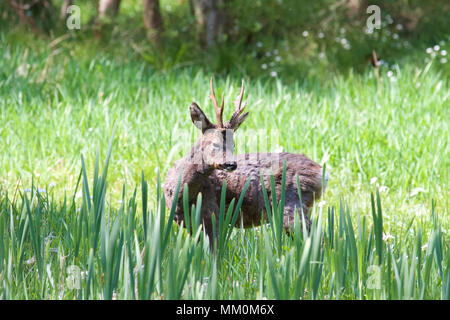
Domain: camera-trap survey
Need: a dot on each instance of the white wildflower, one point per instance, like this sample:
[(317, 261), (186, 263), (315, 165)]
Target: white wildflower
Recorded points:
[(278, 149), (389, 19), (387, 236), (368, 30), (416, 191), (321, 204)]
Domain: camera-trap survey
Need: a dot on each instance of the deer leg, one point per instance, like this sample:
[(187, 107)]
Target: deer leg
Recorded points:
[(289, 217), (210, 206), (209, 229)]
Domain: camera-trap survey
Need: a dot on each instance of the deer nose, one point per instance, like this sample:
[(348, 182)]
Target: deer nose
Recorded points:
[(230, 166)]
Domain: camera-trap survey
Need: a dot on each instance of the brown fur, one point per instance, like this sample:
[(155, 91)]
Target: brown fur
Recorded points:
[(206, 176)]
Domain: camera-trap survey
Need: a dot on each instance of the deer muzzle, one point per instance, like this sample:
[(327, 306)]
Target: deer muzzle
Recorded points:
[(228, 166)]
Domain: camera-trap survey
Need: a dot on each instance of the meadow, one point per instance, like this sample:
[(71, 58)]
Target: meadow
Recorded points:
[(82, 216)]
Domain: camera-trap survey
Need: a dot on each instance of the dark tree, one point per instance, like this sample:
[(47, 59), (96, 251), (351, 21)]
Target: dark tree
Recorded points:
[(66, 4), (37, 14), (211, 17), (108, 8), (153, 20)]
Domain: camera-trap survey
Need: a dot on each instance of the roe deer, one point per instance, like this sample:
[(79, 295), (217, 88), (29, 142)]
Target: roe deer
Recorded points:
[(211, 161)]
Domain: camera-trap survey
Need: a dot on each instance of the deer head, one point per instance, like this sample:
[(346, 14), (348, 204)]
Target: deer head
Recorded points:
[(217, 140)]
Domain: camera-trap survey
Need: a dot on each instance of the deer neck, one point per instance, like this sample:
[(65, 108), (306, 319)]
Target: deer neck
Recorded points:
[(194, 161), (194, 172)]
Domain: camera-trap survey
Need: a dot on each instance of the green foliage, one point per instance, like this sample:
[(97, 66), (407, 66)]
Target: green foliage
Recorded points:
[(385, 145), (39, 247), (291, 39)]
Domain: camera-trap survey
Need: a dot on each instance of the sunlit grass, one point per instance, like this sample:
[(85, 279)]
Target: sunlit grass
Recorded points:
[(392, 136), (95, 251)]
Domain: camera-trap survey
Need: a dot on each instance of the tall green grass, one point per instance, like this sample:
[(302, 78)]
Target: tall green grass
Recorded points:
[(57, 103), (94, 250), (54, 106)]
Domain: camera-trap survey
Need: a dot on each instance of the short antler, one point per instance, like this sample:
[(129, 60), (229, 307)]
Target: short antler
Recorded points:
[(236, 118), (219, 110), (238, 102)]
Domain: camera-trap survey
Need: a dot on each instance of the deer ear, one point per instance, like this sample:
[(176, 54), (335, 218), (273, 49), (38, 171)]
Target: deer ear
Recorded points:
[(199, 119)]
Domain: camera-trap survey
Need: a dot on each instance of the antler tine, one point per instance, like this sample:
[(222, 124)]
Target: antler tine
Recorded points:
[(238, 102), (219, 110), (237, 118)]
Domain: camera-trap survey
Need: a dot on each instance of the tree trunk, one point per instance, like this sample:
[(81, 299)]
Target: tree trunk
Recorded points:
[(108, 8), (66, 4), (37, 14), (356, 8), (211, 18), (153, 20)]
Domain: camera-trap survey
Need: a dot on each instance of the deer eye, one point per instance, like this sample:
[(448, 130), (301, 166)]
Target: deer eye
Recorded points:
[(216, 146)]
